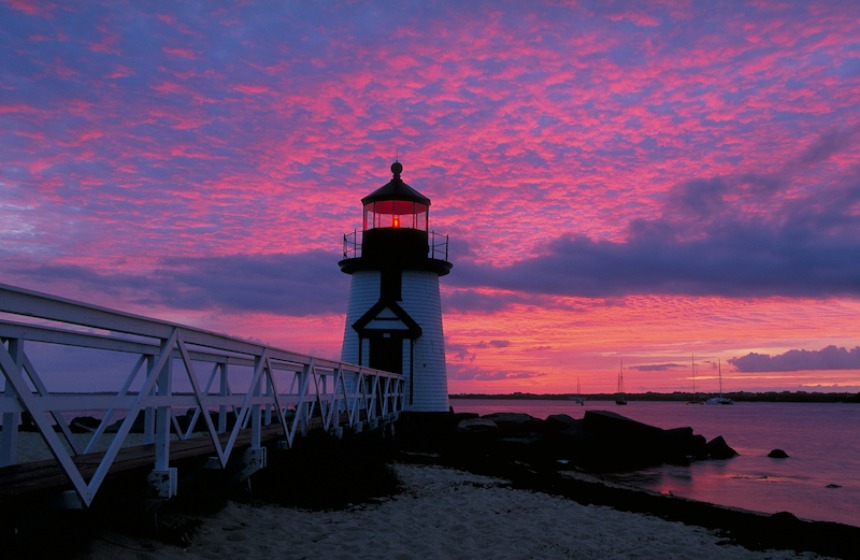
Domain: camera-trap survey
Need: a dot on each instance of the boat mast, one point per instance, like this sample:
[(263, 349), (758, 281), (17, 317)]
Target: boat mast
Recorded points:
[(720, 370), (693, 374)]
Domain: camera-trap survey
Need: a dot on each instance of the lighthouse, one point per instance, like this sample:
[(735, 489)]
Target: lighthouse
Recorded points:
[(394, 315)]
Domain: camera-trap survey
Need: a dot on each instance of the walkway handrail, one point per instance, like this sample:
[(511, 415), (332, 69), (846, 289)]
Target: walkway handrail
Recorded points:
[(224, 383)]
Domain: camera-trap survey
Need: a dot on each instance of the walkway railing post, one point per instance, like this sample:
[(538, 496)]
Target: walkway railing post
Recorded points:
[(149, 412), (305, 404), (9, 436), (256, 416), (223, 390), (162, 417), (163, 478)]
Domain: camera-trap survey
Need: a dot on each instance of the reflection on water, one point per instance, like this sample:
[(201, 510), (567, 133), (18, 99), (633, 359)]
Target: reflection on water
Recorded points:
[(741, 482), (820, 480)]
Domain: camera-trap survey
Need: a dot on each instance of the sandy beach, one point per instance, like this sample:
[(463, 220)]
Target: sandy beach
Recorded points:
[(441, 513)]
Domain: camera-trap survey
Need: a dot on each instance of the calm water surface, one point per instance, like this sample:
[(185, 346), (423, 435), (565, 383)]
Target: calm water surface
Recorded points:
[(822, 441)]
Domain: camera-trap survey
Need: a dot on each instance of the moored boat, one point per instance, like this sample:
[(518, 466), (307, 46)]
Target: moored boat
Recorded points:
[(620, 398), (720, 399)]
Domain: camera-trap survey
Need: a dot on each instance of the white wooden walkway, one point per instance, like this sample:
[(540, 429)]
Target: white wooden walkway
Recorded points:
[(62, 359)]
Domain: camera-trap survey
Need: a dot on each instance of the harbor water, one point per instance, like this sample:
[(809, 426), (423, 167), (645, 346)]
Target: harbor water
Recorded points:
[(820, 480)]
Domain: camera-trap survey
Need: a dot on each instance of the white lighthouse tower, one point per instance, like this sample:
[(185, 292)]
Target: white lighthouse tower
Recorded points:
[(394, 316)]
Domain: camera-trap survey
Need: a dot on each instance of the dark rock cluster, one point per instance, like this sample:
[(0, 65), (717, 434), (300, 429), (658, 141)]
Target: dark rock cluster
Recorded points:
[(600, 441)]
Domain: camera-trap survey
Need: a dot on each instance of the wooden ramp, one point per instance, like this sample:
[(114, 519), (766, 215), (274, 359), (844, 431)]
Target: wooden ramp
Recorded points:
[(20, 480)]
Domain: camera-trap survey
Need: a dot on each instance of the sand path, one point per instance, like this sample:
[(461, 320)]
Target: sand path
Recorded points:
[(442, 514)]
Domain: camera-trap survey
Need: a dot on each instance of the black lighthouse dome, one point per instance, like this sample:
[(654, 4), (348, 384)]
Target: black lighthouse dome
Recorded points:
[(388, 205), (395, 232)]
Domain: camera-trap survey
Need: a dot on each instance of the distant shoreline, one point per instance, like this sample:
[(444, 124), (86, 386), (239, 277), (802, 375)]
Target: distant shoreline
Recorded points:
[(737, 396)]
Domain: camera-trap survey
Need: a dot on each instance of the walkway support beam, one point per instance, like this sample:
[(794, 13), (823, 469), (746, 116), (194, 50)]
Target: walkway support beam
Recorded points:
[(127, 375)]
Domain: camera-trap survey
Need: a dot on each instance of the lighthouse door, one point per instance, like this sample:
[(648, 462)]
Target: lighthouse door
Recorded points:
[(386, 352)]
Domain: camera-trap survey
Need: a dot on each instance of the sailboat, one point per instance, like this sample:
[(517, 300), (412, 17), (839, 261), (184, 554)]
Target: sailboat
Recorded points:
[(619, 396), (696, 399), (721, 399), (578, 398)]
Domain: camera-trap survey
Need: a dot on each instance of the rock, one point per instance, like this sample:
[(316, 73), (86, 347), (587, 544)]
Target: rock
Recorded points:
[(718, 449), (84, 424), (137, 427), (699, 447), (477, 425), (572, 443), (616, 426), (575, 434), (778, 454), (524, 447), (510, 422), (601, 441), (200, 425), (429, 431), (558, 422), (681, 444), (473, 440), (619, 443), (27, 423)]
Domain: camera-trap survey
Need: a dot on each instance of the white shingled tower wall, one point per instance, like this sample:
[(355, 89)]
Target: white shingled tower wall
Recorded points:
[(427, 383)]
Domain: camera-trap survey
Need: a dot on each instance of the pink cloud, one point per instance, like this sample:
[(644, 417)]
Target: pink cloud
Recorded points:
[(251, 90), (29, 8), (121, 71), (187, 54), (640, 19), (108, 42)]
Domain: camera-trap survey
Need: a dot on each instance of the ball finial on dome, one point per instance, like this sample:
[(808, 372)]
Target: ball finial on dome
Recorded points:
[(396, 168)]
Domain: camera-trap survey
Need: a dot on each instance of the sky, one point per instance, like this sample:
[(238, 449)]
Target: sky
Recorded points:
[(671, 186)]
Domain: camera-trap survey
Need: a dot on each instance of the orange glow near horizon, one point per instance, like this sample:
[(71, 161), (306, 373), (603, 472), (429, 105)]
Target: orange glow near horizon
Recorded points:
[(586, 341)]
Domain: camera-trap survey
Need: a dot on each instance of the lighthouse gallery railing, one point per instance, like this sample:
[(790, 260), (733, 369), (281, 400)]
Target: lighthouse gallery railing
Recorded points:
[(61, 359), (437, 245)]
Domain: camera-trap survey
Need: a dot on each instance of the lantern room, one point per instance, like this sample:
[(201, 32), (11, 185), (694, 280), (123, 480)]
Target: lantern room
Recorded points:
[(395, 232), (396, 205)]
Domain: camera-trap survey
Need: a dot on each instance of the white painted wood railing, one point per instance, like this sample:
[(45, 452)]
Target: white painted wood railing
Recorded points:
[(62, 358)]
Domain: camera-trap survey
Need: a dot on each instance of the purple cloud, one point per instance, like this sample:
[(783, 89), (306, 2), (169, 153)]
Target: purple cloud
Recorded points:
[(828, 358), (469, 372), (733, 236), (659, 367), (298, 285)]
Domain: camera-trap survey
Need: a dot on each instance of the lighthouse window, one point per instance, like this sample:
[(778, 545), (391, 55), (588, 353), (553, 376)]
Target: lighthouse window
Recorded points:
[(395, 214)]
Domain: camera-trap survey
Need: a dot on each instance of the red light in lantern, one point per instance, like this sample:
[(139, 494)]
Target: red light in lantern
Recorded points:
[(397, 221)]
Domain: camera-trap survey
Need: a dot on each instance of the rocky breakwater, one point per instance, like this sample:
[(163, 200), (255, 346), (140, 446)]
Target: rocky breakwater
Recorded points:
[(601, 441)]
